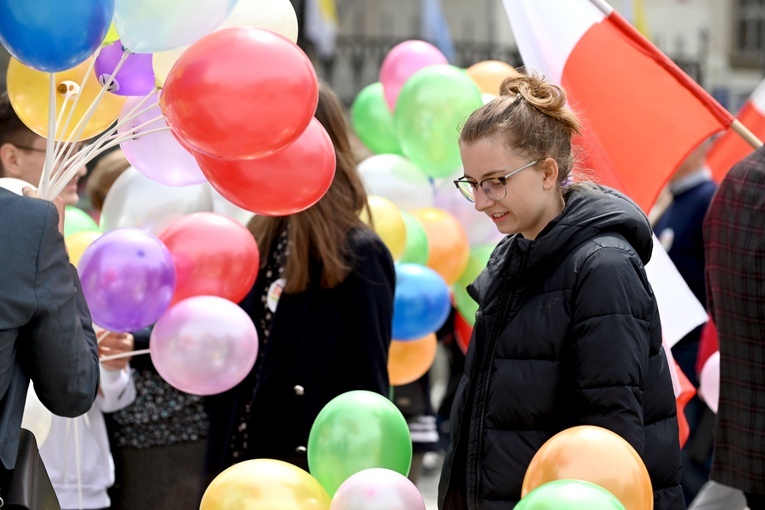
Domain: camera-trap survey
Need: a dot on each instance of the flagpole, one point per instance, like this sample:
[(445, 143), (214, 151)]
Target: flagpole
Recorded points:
[(747, 135)]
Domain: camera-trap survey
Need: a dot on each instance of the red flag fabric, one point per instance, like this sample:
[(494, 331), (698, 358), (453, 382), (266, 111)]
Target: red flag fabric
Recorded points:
[(642, 114), (730, 148)]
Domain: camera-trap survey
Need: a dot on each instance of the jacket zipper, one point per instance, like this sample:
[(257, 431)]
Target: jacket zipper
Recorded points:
[(504, 319)]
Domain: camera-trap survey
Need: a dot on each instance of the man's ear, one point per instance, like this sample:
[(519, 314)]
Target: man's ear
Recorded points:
[(9, 162), (550, 172)]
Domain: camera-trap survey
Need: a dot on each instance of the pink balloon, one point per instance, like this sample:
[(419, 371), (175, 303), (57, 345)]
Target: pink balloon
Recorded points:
[(377, 489), (204, 345), (402, 61), (709, 381), (158, 156)]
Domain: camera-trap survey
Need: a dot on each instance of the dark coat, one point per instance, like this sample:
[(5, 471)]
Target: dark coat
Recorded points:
[(45, 328), (323, 342), (567, 333), (734, 239)]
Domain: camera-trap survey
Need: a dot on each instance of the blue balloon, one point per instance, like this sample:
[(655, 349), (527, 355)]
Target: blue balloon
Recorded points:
[(421, 303), (54, 35)]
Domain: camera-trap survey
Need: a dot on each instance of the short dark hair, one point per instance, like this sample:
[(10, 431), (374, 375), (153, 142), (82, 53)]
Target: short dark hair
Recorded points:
[(12, 130)]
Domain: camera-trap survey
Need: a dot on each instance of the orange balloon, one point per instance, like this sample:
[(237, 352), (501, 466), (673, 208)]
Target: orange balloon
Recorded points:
[(388, 223), (411, 359), (596, 455), (448, 242), (490, 74), (28, 90)]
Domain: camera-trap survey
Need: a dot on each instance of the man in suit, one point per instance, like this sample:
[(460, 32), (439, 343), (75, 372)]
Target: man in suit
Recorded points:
[(734, 243), (45, 326)]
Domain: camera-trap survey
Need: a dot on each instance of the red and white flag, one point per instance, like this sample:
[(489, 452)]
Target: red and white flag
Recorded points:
[(730, 148), (641, 113)]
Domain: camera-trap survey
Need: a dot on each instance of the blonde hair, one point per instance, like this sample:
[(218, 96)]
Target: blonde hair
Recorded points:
[(531, 117), (101, 179)]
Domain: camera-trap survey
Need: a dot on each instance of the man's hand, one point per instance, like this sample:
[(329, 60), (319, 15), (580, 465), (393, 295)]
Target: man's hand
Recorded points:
[(31, 192), (115, 343)]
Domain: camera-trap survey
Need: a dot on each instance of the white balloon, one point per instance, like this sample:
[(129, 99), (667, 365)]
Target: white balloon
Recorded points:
[(14, 185), (709, 381), (36, 419), (398, 179), (135, 201)]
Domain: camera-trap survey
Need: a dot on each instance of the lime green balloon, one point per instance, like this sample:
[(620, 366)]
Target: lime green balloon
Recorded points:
[(479, 256), (372, 120), (569, 495), (77, 220), (416, 250), (355, 431), (430, 109)]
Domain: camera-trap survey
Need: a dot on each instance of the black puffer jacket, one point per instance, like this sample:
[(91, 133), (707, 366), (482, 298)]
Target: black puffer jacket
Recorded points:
[(567, 333)]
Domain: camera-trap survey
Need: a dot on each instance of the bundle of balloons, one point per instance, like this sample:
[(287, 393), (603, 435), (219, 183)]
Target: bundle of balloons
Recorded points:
[(359, 453)]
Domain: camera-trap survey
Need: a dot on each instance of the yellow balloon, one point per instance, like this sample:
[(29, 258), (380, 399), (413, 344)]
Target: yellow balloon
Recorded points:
[(389, 224), (163, 61), (111, 35), (490, 74), (28, 90), (265, 484), (77, 243)]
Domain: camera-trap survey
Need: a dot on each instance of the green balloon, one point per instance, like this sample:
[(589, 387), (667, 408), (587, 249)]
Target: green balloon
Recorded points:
[(417, 249), (569, 495), (77, 220), (355, 431), (479, 256), (430, 109), (372, 120)]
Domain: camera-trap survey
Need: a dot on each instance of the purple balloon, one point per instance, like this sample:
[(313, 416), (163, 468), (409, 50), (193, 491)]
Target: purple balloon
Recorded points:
[(204, 345), (134, 78), (128, 278), (158, 156)]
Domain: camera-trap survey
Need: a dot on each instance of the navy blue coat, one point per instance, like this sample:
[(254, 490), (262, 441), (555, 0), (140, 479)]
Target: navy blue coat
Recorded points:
[(567, 333)]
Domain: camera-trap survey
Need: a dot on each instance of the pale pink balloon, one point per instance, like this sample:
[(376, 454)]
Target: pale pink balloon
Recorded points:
[(159, 156), (377, 489), (402, 61), (204, 345)]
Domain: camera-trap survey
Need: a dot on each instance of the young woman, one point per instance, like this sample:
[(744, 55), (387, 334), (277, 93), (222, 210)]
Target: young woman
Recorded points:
[(567, 332), (322, 304)]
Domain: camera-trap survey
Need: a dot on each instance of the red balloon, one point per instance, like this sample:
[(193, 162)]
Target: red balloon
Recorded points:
[(282, 183), (214, 256), (240, 93), (462, 331)]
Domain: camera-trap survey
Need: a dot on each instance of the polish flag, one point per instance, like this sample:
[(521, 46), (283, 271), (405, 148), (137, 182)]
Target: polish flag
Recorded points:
[(642, 114), (730, 148)]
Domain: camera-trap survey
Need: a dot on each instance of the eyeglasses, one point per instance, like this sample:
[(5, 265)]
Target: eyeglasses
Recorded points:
[(27, 148), (495, 188)]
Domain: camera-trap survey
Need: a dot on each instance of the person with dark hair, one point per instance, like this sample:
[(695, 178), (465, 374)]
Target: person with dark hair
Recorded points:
[(734, 245), (567, 331), (22, 152), (322, 304)]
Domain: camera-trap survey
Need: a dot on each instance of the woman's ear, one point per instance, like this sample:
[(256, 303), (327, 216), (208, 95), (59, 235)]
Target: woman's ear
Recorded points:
[(550, 173)]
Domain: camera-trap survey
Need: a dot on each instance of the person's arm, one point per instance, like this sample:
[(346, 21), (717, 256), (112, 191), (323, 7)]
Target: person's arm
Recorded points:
[(610, 346), (117, 389), (63, 355)]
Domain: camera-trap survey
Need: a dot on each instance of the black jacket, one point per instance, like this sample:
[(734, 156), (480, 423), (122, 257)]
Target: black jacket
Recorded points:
[(567, 333), (323, 342)]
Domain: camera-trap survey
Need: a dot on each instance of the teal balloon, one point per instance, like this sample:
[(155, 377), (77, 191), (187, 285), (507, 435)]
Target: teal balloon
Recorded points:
[(416, 250), (77, 220), (431, 107), (569, 495), (479, 257), (355, 431), (372, 120)]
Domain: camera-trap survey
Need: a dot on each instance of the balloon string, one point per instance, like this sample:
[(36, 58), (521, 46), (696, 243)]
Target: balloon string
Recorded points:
[(45, 176), (124, 355), (82, 123), (77, 460)]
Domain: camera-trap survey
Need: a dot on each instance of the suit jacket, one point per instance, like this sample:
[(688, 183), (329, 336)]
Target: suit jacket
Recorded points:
[(323, 342), (45, 327), (734, 242)]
